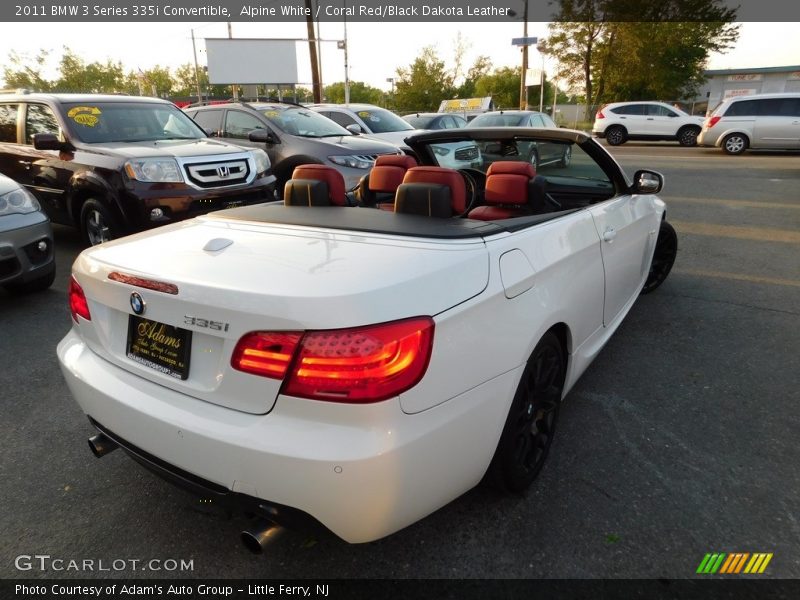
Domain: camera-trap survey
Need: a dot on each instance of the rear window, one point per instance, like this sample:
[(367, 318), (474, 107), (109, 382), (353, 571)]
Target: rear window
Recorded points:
[(630, 109), (8, 122)]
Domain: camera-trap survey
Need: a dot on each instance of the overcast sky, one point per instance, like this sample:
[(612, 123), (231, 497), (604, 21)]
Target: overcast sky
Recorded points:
[(376, 50)]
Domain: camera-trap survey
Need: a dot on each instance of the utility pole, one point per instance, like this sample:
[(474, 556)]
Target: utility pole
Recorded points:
[(312, 49), (235, 86), (196, 74), (523, 88)]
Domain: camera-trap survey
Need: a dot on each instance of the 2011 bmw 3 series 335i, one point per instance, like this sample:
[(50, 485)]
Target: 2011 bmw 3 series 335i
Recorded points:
[(353, 360)]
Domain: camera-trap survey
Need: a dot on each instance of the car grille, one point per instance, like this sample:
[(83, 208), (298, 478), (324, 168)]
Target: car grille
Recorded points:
[(218, 174), (468, 153)]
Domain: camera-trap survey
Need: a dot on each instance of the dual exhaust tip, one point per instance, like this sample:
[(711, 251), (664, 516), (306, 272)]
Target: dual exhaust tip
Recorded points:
[(255, 538)]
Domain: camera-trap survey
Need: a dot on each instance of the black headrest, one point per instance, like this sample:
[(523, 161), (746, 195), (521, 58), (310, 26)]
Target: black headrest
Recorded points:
[(306, 192), (429, 199)]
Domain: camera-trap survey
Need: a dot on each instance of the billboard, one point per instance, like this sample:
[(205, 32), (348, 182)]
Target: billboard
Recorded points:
[(251, 61)]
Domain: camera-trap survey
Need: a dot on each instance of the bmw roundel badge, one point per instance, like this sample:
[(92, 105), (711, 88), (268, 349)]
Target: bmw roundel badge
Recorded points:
[(137, 303)]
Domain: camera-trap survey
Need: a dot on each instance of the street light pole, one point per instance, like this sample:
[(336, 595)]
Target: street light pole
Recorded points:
[(542, 47), (346, 69)]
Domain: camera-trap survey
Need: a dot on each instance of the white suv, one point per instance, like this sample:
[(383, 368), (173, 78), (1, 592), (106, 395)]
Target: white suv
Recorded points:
[(623, 121)]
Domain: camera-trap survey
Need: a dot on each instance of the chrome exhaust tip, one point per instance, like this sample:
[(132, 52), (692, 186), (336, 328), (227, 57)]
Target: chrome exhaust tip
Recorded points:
[(262, 533), (101, 445)]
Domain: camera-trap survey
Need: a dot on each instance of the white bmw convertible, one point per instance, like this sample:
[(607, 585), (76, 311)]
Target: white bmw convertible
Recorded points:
[(354, 360)]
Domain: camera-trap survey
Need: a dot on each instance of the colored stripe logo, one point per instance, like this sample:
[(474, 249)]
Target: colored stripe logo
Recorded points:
[(734, 563)]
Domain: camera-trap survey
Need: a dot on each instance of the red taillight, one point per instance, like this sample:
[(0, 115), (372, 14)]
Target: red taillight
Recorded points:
[(360, 365), (77, 302), (710, 122), (265, 353), (600, 115)]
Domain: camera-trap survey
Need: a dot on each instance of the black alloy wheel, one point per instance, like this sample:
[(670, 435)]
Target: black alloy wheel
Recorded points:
[(688, 136), (530, 425), (98, 225), (616, 135), (663, 257)]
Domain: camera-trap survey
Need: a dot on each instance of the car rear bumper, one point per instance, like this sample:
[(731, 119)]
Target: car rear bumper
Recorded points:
[(363, 472), (21, 260)]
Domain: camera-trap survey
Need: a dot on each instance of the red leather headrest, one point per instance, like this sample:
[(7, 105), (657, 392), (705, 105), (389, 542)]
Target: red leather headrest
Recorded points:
[(506, 189), (396, 160), (385, 178), (331, 176), (440, 175), (511, 167)]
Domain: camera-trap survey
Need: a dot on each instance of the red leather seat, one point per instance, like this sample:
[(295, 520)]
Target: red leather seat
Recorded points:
[(332, 178), (507, 191), (442, 176)]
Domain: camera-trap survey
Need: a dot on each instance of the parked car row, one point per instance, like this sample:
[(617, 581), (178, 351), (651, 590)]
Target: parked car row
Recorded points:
[(762, 122)]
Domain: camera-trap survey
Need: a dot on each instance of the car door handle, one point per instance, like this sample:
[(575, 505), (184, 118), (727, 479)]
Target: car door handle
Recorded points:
[(609, 234), (649, 118)]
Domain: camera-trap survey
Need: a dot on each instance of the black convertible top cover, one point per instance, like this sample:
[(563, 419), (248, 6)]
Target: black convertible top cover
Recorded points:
[(370, 220)]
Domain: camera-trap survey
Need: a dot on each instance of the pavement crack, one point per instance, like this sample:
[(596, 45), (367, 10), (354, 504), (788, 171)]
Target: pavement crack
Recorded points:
[(739, 304)]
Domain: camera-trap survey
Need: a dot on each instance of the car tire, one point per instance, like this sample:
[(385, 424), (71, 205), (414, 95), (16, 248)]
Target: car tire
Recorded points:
[(97, 223), (735, 143), (530, 425), (36, 285), (687, 136), (616, 135), (663, 257), (534, 159), (566, 158)]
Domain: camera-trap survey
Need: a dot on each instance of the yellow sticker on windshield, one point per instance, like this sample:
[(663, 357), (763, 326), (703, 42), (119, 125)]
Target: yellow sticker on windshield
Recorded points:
[(85, 115), (363, 113), (272, 114)]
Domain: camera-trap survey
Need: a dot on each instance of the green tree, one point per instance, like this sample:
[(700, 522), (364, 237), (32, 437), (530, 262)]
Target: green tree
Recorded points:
[(502, 85), (23, 71), (480, 68), (77, 76), (623, 50), (359, 92), (423, 84)]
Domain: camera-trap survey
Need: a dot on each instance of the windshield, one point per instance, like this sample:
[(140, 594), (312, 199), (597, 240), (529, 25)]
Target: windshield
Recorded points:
[(419, 122), (382, 121), (105, 122), (495, 120), (302, 122)]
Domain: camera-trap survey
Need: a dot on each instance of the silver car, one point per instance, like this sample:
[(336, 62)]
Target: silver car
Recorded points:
[(764, 121), (26, 241), (381, 124)]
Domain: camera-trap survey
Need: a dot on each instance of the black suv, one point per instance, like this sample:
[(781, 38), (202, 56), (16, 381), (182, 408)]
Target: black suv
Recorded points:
[(292, 135), (112, 165)]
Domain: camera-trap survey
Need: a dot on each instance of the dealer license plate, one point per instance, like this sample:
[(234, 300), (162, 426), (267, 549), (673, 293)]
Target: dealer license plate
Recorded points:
[(159, 346)]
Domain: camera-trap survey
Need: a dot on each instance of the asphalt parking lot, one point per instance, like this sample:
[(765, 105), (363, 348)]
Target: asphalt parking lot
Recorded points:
[(678, 441)]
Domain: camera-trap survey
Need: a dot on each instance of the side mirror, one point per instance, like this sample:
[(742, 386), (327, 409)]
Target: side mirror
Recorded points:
[(263, 136), (355, 129), (49, 141), (210, 132), (647, 182)]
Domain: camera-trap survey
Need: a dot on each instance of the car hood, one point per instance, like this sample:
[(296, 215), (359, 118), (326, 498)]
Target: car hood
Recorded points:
[(358, 144), (7, 185), (398, 138), (158, 148), (248, 276)]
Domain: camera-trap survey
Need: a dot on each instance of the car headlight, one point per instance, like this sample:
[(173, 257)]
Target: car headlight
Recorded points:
[(354, 162), (154, 170), (262, 161), (19, 201), (441, 151)]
